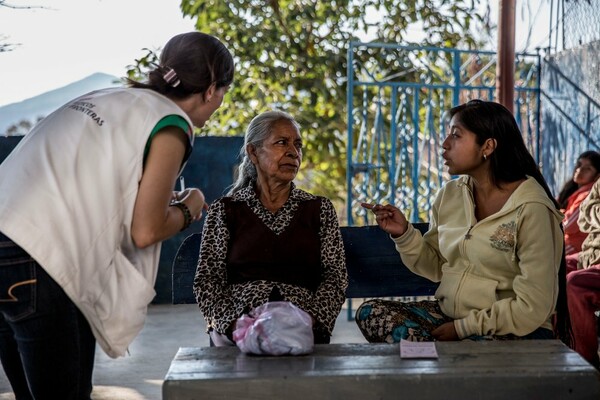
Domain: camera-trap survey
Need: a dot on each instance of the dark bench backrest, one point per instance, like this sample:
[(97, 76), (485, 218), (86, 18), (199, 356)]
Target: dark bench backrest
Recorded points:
[(184, 269), (374, 266)]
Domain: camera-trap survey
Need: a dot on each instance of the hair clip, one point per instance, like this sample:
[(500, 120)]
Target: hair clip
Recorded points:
[(171, 78)]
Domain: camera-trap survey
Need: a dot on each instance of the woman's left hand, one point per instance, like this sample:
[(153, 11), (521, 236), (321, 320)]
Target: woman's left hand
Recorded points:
[(194, 199), (177, 196), (445, 332)]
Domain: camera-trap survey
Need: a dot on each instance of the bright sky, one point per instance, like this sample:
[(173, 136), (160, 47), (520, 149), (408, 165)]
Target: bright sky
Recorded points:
[(72, 39)]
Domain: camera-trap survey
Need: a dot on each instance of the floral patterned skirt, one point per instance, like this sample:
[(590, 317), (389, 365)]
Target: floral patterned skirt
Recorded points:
[(389, 321)]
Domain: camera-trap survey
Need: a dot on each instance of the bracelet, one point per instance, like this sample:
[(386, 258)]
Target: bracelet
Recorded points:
[(187, 215)]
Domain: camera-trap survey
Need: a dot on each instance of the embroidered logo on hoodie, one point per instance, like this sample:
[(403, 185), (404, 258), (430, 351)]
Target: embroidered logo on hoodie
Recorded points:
[(504, 237)]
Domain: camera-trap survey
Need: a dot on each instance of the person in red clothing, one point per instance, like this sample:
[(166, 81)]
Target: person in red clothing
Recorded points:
[(583, 285), (587, 171)]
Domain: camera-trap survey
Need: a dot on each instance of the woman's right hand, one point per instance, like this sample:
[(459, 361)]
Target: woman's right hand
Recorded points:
[(389, 218)]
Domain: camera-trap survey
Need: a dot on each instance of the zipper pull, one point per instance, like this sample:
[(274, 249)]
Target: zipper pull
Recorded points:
[(468, 234)]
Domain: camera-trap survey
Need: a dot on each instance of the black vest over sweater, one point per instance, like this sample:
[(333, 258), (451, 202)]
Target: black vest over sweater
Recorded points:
[(255, 252)]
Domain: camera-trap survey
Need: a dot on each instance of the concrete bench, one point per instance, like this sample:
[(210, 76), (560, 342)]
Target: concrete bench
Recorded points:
[(544, 369), (465, 370)]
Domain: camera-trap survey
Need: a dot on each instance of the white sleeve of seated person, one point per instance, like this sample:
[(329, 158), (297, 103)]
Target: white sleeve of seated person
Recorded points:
[(421, 253), (589, 211)]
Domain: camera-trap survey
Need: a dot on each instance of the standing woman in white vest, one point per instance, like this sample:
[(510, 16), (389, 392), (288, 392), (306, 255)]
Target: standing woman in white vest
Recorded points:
[(86, 198)]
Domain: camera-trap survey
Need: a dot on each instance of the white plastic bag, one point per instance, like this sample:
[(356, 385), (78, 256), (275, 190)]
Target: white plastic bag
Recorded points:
[(275, 328)]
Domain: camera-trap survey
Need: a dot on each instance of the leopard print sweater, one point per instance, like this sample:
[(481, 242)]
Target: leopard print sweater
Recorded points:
[(221, 303)]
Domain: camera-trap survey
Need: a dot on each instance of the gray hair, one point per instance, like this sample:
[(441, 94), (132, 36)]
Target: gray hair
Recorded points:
[(259, 129)]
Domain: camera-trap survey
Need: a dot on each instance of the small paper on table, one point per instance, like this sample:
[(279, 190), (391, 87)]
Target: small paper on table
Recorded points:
[(410, 349)]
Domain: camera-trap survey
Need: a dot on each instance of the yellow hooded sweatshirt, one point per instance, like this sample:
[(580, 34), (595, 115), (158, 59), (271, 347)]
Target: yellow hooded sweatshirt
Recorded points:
[(499, 275)]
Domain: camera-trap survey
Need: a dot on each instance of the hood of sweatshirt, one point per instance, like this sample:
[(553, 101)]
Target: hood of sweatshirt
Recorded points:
[(529, 191)]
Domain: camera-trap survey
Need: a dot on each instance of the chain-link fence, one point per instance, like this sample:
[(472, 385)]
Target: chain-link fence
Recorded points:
[(580, 22)]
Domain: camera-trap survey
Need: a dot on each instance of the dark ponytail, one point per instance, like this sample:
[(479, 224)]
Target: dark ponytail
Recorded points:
[(190, 63)]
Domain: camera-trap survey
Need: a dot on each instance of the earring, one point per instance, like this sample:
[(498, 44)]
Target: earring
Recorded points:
[(484, 157)]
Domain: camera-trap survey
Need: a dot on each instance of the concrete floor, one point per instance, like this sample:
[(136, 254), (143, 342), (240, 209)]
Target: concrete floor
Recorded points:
[(139, 375)]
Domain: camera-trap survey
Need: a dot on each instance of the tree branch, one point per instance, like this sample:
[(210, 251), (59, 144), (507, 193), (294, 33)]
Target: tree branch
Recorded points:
[(3, 3)]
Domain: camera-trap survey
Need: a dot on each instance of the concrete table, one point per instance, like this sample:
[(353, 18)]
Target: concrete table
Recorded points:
[(528, 369)]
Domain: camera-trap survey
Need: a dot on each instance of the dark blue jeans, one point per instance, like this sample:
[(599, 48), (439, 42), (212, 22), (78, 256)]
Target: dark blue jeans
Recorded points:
[(46, 345)]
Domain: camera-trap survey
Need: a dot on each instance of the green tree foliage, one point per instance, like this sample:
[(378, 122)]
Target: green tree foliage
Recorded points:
[(292, 55)]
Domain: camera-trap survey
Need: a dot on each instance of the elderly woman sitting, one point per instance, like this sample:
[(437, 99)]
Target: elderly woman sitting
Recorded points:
[(268, 240)]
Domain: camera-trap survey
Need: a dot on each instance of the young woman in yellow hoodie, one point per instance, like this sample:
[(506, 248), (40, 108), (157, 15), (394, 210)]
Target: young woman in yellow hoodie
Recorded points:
[(495, 243)]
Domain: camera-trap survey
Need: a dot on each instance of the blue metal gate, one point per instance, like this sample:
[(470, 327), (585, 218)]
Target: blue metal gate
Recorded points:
[(398, 97)]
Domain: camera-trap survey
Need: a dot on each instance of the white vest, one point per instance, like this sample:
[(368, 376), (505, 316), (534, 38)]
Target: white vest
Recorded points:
[(67, 194)]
